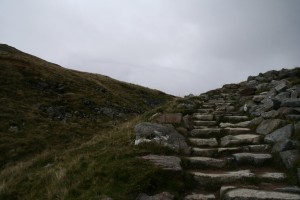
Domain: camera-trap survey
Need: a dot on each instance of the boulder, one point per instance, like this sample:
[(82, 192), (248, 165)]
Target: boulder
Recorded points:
[(297, 128), (271, 114), (289, 157), (161, 196), (164, 135), (256, 121), (280, 134), (293, 117), (295, 102), (285, 144), (165, 162), (282, 95), (281, 86), (168, 118), (258, 98), (269, 125)]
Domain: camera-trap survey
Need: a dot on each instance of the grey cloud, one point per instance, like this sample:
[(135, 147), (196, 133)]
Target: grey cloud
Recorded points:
[(176, 46)]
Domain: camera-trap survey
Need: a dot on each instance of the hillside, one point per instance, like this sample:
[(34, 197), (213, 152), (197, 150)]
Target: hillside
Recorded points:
[(45, 106), (66, 134)]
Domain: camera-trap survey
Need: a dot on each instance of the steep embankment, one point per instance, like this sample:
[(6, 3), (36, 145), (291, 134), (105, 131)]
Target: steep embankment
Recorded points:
[(45, 106)]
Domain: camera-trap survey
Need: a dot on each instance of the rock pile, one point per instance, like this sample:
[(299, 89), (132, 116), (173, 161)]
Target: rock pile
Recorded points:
[(235, 135)]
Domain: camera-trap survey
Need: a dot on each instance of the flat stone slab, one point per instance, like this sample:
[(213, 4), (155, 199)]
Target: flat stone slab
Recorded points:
[(205, 110), (222, 178), (211, 142), (236, 131), (230, 140), (235, 118), (207, 162), (204, 152), (164, 162), (200, 197), (204, 123), (257, 147), (273, 176), (236, 125), (251, 158), (251, 194), (293, 102), (203, 117), (205, 132)]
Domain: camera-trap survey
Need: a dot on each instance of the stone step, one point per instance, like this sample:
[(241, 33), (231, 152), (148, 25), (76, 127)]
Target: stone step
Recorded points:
[(217, 152), (236, 131), (221, 178), (206, 178), (214, 152), (235, 118), (255, 159), (233, 140), (206, 132), (204, 123), (244, 124), (205, 110), (233, 193), (208, 105), (211, 142), (196, 196), (203, 117), (207, 162)]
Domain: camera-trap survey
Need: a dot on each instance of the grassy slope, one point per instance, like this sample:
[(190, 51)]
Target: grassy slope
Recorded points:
[(80, 153)]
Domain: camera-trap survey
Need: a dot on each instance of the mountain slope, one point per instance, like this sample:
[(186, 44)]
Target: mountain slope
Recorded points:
[(45, 106)]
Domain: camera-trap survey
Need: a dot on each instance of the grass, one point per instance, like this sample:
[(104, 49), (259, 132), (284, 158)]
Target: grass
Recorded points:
[(106, 165), (56, 143)]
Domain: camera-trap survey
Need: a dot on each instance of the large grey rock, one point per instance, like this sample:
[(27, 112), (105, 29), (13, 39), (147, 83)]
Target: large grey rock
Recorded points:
[(161, 196), (164, 162), (200, 197), (251, 158), (258, 98), (240, 139), (280, 134), (271, 114), (293, 117), (297, 128), (256, 121), (285, 144), (207, 162), (211, 142), (281, 86), (251, 194), (222, 178), (295, 102), (289, 157), (282, 95), (269, 125), (164, 135)]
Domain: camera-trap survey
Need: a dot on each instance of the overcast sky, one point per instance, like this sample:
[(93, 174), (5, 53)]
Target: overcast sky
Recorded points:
[(177, 46)]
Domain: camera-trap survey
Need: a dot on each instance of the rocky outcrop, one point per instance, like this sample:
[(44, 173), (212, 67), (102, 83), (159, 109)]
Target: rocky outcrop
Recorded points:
[(165, 135)]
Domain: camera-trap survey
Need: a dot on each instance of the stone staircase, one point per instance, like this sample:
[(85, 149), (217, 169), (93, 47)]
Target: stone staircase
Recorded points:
[(228, 159)]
